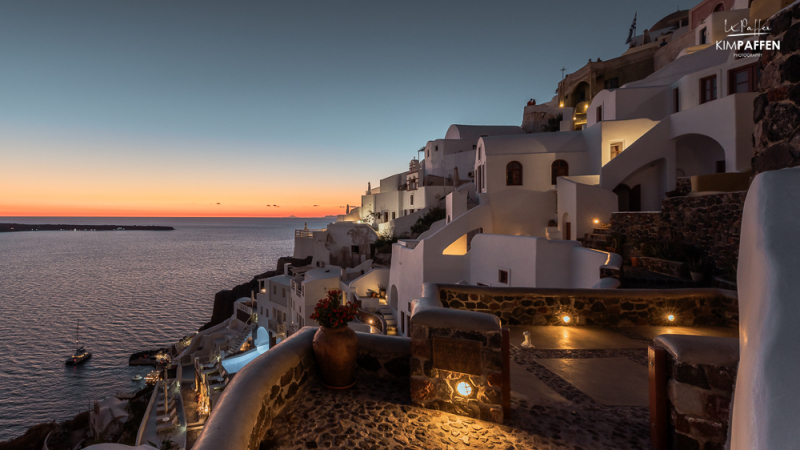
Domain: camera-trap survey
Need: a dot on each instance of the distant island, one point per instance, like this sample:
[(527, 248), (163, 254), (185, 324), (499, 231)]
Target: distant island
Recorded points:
[(12, 227)]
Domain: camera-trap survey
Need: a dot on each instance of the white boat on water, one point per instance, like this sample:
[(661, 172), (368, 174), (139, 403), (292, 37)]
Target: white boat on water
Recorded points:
[(137, 378)]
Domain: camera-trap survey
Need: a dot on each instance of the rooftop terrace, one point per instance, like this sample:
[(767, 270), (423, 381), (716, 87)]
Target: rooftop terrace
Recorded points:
[(576, 388)]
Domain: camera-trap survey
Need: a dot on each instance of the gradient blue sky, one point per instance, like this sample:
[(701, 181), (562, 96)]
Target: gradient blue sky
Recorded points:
[(174, 106)]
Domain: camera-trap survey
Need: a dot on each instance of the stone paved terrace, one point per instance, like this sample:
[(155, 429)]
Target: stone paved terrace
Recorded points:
[(578, 388)]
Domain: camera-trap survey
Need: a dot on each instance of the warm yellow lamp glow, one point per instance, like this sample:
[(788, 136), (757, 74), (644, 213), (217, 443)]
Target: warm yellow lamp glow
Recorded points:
[(370, 321), (596, 221), (561, 104), (671, 317), (464, 389), (566, 319)]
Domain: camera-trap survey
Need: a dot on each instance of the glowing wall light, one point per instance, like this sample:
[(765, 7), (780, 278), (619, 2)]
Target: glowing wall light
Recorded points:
[(671, 318), (464, 389), (566, 319), (596, 221)]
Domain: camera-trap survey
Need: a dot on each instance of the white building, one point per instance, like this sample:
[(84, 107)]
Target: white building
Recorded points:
[(399, 200)]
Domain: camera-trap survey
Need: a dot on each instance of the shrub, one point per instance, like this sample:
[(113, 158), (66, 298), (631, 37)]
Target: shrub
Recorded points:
[(384, 242), (424, 223)]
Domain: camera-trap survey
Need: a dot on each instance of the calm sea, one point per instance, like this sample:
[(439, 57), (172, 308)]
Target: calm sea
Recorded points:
[(130, 290)]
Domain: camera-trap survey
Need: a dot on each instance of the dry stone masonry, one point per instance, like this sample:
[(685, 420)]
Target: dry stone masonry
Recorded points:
[(701, 373), (442, 358), (711, 222), (619, 308), (776, 111)]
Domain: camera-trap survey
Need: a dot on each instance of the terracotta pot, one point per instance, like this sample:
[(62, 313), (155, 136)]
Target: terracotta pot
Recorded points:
[(635, 261), (335, 350)]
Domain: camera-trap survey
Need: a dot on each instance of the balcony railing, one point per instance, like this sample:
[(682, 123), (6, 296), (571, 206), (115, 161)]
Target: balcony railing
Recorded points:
[(306, 233)]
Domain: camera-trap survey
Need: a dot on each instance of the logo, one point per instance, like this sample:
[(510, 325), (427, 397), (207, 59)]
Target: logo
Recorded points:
[(750, 43)]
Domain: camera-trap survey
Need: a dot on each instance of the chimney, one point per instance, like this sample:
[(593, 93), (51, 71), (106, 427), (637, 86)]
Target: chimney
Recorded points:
[(343, 275), (286, 269)]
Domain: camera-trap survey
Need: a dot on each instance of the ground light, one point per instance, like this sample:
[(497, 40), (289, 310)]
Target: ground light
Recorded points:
[(566, 319), (464, 389)]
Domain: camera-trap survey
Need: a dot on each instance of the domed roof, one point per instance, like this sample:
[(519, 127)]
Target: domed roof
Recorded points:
[(672, 20)]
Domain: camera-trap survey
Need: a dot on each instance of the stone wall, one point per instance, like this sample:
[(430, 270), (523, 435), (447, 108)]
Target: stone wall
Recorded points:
[(711, 222), (536, 118), (605, 307), (777, 110), (459, 363), (701, 373), (437, 388), (670, 268), (683, 185), (384, 356), (258, 393)]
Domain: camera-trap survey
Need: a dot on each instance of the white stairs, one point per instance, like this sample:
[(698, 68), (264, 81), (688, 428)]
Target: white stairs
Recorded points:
[(248, 330), (391, 323)]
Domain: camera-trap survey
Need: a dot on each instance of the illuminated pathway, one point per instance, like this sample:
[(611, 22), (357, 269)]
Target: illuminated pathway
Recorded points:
[(578, 388)]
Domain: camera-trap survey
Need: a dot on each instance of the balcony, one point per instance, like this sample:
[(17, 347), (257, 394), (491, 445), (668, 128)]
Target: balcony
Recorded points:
[(305, 233)]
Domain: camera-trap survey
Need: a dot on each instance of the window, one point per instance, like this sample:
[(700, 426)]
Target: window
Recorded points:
[(560, 168), (502, 276), (616, 149), (708, 89), (437, 148), (474, 147), (386, 216), (514, 174), (676, 100), (427, 153), (354, 248), (394, 215), (600, 113), (744, 79), (703, 36), (274, 289), (411, 211), (283, 292), (412, 199), (612, 83), (719, 7), (720, 166)]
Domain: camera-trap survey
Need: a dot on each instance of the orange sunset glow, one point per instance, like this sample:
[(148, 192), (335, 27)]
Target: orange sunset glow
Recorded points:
[(111, 177)]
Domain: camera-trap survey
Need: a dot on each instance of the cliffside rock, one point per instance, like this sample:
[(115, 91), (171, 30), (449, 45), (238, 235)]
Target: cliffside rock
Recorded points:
[(224, 300)]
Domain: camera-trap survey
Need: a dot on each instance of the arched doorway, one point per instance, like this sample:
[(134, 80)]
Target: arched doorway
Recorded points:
[(393, 298), (623, 197), (696, 154), (566, 227), (580, 94), (559, 168)]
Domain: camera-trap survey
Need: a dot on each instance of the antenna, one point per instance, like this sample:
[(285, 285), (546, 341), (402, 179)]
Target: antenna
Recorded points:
[(562, 72)]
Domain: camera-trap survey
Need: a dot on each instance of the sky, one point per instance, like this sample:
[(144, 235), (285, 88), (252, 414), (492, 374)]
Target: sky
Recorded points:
[(211, 108)]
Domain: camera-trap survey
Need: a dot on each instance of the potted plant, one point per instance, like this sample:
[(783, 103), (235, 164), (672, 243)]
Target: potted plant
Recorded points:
[(695, 266), (335, 344)]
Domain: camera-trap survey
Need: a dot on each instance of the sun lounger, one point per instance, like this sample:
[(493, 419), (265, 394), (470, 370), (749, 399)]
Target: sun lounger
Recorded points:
[(171, 414)]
